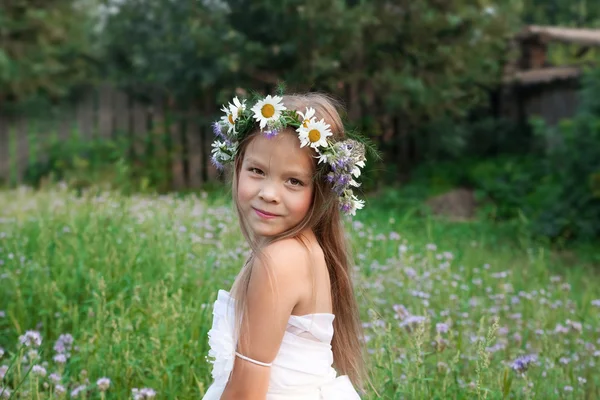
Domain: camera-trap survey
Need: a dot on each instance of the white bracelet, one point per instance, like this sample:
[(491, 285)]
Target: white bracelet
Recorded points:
[(253, 361)]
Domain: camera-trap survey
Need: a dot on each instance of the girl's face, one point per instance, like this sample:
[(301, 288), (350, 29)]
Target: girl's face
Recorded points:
[(275, 185)]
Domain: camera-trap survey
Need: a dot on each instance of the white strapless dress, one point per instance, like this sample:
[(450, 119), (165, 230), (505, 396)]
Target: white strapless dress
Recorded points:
[(302, 370)]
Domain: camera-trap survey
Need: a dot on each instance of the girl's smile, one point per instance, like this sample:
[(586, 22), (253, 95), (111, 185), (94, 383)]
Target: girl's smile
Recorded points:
[(265, 214)]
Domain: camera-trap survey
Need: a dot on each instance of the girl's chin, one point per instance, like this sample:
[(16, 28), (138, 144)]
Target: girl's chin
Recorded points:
[(266, 233)]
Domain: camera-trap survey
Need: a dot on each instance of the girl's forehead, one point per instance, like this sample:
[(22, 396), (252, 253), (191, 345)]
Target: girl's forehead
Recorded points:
[(280, 151)]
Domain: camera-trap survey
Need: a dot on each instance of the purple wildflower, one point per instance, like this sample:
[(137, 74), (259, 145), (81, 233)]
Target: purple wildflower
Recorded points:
[(75, 392), (31, 339), (216, 163), (521, 364), (38, 370), (60, 359), (401, 311), (218, 131), (55, 378), (141, 394), (271, 133), (59, 390), (345, 207), (103, 384), (4, 393), (59, 347), (412, 320), (442, 327)]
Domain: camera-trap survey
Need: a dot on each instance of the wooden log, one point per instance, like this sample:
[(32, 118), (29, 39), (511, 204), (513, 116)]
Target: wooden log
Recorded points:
[(4, 151), (105, 111), (141, 132), (21, 149), (194, 151)]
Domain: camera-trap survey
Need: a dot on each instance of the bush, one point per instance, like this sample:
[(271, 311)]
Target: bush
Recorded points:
[(103, 161), (556, 189)]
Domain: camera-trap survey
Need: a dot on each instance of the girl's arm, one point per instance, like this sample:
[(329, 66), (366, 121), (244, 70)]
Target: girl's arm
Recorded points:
[(276, 286)]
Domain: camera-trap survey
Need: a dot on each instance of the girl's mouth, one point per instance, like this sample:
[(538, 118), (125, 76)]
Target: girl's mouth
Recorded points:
[(264, 214)]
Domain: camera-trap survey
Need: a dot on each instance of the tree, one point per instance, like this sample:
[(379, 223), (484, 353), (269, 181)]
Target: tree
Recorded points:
[(44, 49), (400, 65), (175, 49)]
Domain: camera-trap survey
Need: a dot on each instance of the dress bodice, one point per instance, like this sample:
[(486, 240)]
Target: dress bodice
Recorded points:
[(302, 369), (315, 326)]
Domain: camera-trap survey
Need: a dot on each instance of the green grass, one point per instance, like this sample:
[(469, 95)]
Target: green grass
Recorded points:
[(133, 279)]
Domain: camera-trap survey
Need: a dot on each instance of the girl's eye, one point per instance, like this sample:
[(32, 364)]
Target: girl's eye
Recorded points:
[(255, 171), (296, 182)]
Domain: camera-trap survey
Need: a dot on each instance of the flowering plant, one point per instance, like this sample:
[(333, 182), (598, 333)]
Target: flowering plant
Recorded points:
[(342, 159)]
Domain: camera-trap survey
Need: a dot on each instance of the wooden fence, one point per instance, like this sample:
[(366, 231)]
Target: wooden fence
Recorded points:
[(110, 113)]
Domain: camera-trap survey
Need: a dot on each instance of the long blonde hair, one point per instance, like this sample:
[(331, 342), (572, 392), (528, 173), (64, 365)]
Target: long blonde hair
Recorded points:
[(324, 219)]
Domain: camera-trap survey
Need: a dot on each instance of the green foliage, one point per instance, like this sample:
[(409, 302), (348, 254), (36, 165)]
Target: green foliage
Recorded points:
[(133, 280), (561, 12), (410, 60), (175, 49), (103, 161), (44, 49), (556, 188), (510, 182), (572, 167)]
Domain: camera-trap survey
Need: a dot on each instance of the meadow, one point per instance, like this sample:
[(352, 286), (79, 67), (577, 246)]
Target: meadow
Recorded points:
[(110, 296)]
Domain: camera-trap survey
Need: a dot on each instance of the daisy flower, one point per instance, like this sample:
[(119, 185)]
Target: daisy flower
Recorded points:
[(349, 203), (268, 110), (315, 134), (324, 158), (357, 204), (306, 118), (232, 113)]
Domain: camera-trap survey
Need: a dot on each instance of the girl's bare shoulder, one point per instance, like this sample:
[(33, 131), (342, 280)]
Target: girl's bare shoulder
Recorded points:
[(289, 256)]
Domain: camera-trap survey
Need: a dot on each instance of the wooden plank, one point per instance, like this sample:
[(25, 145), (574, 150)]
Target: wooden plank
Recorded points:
[(140, 129), (34, 138), (65, 124), (105, 111), (176, 152), (86, 116), (194, 151), (121, 114), (21, 148), (48, 136), (4, 152), (156, 142)]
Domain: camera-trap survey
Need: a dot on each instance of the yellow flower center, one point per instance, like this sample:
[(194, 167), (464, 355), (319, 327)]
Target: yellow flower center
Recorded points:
[(314, 135), (305, 123), (230, 117), (267, 110)]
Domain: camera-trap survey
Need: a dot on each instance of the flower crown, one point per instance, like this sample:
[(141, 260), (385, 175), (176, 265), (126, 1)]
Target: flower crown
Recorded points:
[(345, 158)]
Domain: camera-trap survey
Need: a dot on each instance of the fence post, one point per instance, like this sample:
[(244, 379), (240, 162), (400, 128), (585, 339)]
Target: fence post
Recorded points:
[(4, 152)]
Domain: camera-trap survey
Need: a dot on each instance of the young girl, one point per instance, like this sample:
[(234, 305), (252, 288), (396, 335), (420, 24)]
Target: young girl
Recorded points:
[(291, 319)]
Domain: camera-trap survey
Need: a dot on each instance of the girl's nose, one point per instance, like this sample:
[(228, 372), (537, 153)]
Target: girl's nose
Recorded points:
[(268, 192)]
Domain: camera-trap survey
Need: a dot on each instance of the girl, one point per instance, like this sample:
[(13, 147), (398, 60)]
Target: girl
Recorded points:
[(291, 314)]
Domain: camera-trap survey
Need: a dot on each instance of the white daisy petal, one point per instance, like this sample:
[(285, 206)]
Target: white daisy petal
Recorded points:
[(229, 118), (307, 117), (268, 110), (316, 133), (239, 105)]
